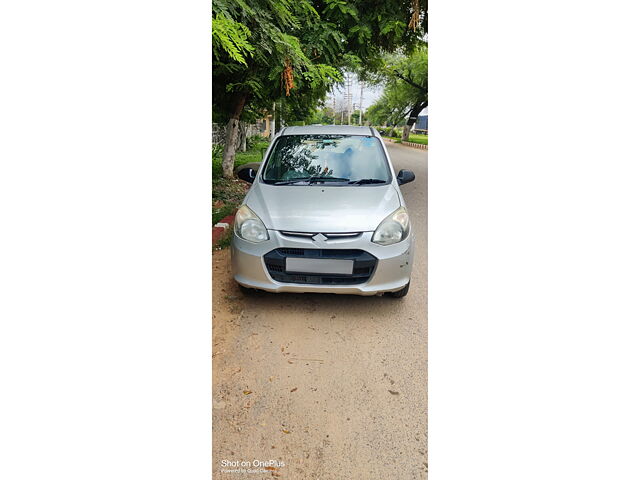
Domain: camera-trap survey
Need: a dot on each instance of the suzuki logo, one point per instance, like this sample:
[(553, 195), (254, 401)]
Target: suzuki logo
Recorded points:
[(319, 238)]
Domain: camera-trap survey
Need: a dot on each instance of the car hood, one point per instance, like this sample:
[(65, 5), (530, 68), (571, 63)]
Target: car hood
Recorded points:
[(326, 209)]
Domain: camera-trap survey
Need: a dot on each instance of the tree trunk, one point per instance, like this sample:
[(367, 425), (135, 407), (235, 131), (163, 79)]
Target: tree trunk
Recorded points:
[(406, 130), (413, 116), (229, 155), (279, 122)]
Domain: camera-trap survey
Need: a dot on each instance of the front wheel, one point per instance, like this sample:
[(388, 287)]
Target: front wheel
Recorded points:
[(400, 293)]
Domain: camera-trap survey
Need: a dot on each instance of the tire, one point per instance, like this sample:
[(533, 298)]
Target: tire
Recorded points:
[(400, 293)]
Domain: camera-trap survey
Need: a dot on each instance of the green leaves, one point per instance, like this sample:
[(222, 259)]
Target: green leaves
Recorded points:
[(362, 32), (230, 37), (397, 27), (251, 85), (336, 8), (293, 51), (405, 86)]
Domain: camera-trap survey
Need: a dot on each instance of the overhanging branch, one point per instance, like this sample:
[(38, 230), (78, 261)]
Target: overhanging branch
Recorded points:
[(410, 82)]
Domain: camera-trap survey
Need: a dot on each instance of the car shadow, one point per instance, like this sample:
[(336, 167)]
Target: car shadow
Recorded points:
[(322, 303)]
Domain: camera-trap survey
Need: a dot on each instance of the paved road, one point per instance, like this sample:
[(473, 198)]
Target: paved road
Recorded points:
[(333, 386)]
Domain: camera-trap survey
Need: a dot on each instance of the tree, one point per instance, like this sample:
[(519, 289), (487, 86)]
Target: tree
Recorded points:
[(290, 52), (258, 58), (414, 74), (405, 79), (323, 115)]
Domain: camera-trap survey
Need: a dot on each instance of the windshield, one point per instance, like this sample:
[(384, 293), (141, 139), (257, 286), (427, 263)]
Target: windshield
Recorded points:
[(326, 159)]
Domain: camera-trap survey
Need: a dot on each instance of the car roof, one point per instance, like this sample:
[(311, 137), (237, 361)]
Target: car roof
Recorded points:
[(329, 130)]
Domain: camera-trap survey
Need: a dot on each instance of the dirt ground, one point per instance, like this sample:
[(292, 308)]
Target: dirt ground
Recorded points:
[(331, 386)]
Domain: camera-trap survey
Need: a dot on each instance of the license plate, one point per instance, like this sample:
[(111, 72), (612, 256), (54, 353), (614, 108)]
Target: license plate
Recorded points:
[(319, 265)]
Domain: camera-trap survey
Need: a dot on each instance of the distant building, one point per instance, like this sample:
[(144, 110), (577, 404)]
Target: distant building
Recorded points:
[(422, 124)]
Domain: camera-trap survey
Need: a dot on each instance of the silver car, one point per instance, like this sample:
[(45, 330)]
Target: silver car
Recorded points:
[(324, 214)]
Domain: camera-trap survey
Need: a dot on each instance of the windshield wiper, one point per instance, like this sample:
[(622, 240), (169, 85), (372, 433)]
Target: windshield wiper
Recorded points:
[(311, 180), (290, 182), (367, 180), (331, 179)]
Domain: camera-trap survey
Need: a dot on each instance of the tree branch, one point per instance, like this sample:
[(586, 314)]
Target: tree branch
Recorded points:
[(410, 82)]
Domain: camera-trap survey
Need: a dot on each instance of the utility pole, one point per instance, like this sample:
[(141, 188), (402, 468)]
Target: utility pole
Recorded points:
[(361, 91), (349, 100), (347, 84), (335, 120), (273, 122)]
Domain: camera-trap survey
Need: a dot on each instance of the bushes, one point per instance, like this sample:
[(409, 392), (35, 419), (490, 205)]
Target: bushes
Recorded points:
[(396, 133), (253, 140), (389, 132), (216, 150)]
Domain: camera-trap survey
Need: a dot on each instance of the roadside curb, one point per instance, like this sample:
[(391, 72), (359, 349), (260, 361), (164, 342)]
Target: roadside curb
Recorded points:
[(416, 145), (221, 227)]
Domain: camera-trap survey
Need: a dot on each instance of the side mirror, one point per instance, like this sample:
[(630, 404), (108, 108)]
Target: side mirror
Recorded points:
[(247, 174), (405, 176)]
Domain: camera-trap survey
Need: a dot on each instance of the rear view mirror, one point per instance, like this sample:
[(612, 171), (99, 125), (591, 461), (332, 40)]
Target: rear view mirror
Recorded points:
[(247, 174), (405, 176)]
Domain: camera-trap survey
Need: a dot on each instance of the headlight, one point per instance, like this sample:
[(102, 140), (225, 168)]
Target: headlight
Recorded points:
[(249, 226), (392, 229)]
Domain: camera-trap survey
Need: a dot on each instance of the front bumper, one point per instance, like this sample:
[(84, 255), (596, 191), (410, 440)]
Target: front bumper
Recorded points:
[(392, 271)]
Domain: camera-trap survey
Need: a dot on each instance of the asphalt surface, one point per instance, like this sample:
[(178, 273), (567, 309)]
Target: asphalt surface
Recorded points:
[(334, 386)]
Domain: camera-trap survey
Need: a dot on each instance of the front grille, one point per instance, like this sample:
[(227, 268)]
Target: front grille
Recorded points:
[(364, 265), (330, 236)]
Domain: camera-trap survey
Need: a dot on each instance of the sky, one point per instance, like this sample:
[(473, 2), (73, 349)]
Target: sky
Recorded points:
[(370, 94)]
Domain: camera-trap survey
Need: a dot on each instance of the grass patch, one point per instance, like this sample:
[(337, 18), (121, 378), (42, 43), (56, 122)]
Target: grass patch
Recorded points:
[(223, 211), (225, 239), (251, 155), (421, 139), (415, 138)]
